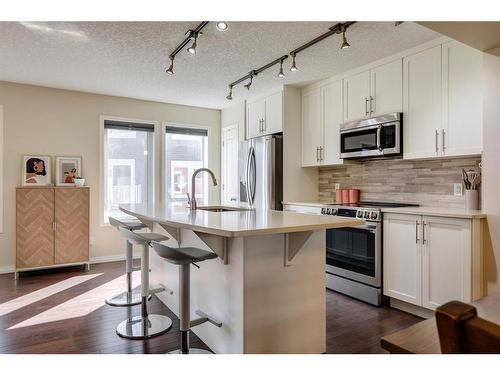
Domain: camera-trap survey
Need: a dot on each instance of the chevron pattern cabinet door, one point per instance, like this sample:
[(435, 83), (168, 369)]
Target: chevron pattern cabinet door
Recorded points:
[(34, 228), (72, 225)]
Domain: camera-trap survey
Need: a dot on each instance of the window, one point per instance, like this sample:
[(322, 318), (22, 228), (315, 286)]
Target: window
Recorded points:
[(186, 149), (128, 165)]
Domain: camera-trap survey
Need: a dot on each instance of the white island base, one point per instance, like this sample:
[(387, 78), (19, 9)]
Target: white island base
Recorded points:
[(264, 306)]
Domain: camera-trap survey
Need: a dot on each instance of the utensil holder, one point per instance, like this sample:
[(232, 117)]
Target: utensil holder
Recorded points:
[(471, 200)]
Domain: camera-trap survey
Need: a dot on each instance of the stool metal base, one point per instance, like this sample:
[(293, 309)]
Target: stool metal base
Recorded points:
[(139, 327), (125, 299), (192, 351)]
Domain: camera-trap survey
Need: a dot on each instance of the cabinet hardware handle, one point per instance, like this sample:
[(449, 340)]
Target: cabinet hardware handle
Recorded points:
[(371, 100), (366, 106), (54, 226), (437, 135), (263, 125), (442, 140), (321, 153), (424, 240), (260, 126), (317, 154), (416, 231)]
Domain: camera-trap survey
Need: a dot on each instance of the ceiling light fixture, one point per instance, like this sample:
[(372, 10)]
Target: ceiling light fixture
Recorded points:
[(192, 49), (250, 82), (281, 74), (293, 68), (230, 96), (221, 25), (170, 69), (345, 43)]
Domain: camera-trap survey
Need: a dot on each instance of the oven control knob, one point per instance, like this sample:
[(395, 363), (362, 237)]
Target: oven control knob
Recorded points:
[(374, 216), (323, 211), (367, 215), (328, 211), (334, 211)]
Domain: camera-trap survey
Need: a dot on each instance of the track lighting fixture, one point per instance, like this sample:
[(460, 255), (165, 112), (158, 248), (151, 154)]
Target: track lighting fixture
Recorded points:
[(293, 68), (192, 49), (170, 69), (250, 82), (230, 96), (221, 25), (281, 74), (345, 44)]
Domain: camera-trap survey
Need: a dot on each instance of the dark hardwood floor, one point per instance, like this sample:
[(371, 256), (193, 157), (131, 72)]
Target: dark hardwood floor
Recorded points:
[(64, 312)]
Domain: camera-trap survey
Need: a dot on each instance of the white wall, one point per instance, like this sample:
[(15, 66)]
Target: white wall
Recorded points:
[(491, 171), (39, 120)]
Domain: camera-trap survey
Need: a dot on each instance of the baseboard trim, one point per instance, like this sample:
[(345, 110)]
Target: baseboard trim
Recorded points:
[(419, 311), (7, 269)]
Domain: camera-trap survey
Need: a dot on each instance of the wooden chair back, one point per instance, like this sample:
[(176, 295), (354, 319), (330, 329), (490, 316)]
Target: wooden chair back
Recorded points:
[(462, 331)]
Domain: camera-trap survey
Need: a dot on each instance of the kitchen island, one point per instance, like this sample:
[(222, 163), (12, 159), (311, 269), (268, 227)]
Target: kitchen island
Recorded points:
[(267, 286)]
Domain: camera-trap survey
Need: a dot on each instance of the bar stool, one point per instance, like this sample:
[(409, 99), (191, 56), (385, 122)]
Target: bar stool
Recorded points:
[(128, 298), (146, 325), (184, 257)]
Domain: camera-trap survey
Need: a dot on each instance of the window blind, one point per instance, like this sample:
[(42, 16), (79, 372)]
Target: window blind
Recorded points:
[(124, 125), (186, 131)]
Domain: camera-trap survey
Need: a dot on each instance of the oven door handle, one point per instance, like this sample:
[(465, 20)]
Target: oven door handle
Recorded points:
[(379, 141)]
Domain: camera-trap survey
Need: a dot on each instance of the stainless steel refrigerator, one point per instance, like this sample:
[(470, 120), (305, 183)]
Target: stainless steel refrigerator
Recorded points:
[(261, 172)]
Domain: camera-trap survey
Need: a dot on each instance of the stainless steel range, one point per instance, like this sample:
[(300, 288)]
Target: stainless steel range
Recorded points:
[(354, 255)]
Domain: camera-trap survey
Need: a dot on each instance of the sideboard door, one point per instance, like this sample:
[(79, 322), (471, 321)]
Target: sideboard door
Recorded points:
[(34, 226), (72, 225)]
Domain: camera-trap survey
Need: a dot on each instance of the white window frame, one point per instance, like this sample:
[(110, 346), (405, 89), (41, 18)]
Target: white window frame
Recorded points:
[(163, 174), (1, 168), (103, 171)]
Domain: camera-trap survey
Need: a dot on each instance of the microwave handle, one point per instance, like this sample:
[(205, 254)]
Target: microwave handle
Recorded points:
[(379, 142)]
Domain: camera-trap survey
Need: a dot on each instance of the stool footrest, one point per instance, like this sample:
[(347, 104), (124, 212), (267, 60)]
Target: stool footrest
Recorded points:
[(204, 317), (161, 288)]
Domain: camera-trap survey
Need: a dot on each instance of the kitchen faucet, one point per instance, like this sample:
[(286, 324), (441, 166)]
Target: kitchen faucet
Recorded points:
[(192, 201)]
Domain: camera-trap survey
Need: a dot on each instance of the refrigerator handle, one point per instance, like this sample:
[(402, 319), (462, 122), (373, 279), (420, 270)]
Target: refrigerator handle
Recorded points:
[(253, 183), (247, 176)]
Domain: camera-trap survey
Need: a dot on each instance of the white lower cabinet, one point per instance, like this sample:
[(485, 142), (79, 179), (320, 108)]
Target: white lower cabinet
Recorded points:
[(427, 260)]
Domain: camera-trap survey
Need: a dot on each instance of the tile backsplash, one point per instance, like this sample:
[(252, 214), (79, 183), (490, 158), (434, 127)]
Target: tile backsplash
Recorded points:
[(426, 182)]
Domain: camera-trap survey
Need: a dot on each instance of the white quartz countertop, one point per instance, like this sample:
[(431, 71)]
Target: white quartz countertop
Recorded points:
[(237, 223), (438, 211)]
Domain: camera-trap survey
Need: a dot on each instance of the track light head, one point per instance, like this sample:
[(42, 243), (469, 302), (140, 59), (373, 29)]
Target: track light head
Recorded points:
[(249, 83), (192, 49), (170, 69), (293, 68), (281, 74), (345, 44), (230, 96), (221, 25)]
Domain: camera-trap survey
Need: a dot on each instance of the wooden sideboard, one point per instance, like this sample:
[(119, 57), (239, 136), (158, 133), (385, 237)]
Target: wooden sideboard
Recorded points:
[(52, 227)]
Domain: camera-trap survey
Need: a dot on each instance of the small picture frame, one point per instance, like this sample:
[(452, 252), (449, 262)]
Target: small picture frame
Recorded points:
[(67, 168), (36, 171)]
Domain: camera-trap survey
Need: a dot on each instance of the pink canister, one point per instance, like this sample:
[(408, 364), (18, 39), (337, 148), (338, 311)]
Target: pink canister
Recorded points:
[(338, 196), (345, 195), (353, 195)]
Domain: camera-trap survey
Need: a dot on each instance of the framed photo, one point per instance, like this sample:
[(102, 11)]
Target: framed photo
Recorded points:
[(36, 171), (67, 168)]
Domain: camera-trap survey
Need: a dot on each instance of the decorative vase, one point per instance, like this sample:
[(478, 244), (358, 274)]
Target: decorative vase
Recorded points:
[(79, 182)]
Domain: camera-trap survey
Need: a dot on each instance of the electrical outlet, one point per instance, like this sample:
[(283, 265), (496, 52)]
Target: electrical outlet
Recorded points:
[(337, 186), (458, 190), (91, 241)]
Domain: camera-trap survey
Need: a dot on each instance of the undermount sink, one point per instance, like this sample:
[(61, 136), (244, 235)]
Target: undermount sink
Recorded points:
[(221, 208)]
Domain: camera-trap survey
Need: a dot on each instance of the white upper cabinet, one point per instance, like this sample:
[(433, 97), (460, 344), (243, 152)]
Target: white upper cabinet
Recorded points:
[(422, 104), (265, 116), (273, 122), (374, 92), (322, 114), (357, 96), (442, 102), (311, 127), (386, 88), (462, 100), (256, 112), (446, 261), (332, 118)]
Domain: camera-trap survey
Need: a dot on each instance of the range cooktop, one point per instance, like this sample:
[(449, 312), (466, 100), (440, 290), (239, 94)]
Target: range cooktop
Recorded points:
[(369, 211)]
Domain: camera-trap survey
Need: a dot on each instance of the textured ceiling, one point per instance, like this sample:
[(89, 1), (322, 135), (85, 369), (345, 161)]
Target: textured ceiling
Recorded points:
[(129, 58)]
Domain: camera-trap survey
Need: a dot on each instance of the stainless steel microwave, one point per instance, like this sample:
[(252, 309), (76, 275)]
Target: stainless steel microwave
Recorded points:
[(380, 136)]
